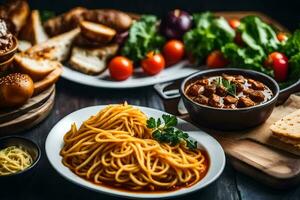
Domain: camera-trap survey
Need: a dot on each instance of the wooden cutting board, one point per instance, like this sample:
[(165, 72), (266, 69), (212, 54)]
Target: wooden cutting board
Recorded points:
[(257, 154), (257, 157), (33, 102)]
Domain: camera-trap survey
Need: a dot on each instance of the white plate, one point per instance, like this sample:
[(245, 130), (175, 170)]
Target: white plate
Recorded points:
[(54, 143), (178, 71)]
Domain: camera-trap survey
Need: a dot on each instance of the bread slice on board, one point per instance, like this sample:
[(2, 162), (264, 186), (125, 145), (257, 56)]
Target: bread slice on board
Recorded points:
[(56, 48), (34, 30), (287, 129), (49, 80), (33, 65), (92, 61)]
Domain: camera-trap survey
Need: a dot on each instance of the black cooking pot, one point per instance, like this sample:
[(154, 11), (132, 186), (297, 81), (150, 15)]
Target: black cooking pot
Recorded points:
[(230, 119)]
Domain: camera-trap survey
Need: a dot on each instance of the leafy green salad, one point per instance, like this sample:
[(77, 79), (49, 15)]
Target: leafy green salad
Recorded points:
[(247, 43)]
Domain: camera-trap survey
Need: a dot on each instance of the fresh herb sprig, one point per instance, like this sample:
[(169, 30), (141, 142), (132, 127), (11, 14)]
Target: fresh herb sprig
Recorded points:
[(165, 131), (228, 85)]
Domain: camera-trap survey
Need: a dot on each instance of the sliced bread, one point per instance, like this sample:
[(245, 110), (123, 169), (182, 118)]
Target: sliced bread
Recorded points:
[(34, 31), (36, 67), (97, 32), (49, 80), (92, 61), (56, 48), (287, 129)]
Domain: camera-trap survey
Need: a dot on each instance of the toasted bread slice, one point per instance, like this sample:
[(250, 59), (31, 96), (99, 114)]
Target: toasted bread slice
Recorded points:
[(92, 61), (288, 126), (97, 32), (36, 67), (34, 31), (56, 48), (49, 80)]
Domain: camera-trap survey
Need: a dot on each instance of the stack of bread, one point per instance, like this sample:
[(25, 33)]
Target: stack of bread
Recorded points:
[(37, 65), (95, 43), (287, 129), (81, 37)]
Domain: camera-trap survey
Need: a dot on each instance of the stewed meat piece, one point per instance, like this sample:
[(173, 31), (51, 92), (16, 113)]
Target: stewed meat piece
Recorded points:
[(240, 79), (230, 100), (209, 90), (239, 87), (248, 91), (201, 99), (195, 90), (228, 77), (214, 101), (245, 102), (256, 84), (202, 82), (257, 96), (221, 91)]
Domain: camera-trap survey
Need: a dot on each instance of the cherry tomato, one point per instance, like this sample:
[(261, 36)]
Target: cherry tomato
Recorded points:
[(120, 68), (234, 23), (279, 63), (153, 63), (216, 59), (282, 37), (173, 51)]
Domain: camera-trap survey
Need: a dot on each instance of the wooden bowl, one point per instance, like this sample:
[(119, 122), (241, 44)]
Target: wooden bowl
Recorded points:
[(4, 66), (9, 54)]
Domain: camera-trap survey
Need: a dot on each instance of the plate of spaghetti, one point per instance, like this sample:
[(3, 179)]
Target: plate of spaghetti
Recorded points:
[(134, 152)]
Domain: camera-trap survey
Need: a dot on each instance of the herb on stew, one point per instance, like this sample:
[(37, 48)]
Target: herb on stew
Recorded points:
[(164, 131), (229, 86)]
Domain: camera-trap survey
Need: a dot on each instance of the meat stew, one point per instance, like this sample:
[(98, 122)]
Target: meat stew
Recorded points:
[(228, 91)]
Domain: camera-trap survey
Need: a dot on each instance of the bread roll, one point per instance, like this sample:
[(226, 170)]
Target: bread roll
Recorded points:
[(15, 90)]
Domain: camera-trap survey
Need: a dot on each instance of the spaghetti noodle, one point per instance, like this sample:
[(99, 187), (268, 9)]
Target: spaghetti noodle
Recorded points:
[(13, 159), (115, 148)]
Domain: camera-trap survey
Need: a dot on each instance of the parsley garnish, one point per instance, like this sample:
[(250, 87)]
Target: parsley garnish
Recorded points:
[(230, 87), (166, 132)]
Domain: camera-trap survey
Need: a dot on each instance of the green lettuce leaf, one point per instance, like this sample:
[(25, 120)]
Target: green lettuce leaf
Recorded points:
[(143, 37)]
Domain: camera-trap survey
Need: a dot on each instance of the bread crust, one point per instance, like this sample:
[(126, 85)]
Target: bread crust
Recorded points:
[(288, 126)]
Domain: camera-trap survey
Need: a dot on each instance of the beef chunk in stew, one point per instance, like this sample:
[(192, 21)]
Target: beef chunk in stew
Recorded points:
[(256, 84), (240, 79), (230, 100), (221, 91), (245, 102), (201, 99), (209, 90), (228, 77), (257, 96), (195, 90), (202, 82), (214, 101)]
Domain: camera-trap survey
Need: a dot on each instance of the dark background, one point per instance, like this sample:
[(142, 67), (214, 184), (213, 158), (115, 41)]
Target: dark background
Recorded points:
[(286, 12)]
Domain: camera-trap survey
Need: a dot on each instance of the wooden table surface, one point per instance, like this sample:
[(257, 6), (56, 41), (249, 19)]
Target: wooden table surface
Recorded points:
[(45, 183)]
